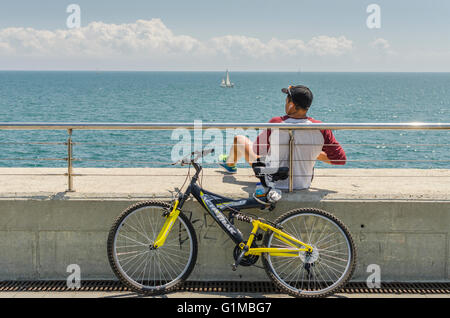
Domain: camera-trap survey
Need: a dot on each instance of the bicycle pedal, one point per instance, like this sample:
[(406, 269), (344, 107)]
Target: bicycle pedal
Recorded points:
[(234, 266)]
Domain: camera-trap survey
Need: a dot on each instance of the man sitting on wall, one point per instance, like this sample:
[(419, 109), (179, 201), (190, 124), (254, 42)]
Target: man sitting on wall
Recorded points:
[(309, 145)]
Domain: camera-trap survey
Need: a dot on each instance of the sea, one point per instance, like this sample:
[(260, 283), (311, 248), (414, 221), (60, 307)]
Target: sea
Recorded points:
[(185, 97)]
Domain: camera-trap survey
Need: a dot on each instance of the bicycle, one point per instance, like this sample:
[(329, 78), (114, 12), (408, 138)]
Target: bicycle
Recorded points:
[(152, 245)]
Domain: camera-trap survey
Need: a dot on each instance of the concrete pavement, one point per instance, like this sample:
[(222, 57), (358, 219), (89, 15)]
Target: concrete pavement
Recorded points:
[(328, 184)]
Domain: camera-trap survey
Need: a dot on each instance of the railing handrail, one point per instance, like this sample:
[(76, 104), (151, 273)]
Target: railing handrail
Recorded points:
[(202, 125), (70, 127)]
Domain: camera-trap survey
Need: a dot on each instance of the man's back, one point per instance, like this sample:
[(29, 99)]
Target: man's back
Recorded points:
[(308, 144)]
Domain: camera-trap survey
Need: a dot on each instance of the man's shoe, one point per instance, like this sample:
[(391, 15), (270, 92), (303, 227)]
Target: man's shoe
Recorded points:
[(223, 164)]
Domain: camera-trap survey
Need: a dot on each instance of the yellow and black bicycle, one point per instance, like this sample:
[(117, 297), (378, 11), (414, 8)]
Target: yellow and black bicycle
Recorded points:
[(152, 246)]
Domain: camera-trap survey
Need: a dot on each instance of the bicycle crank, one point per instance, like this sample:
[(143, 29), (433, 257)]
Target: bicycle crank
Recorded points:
[(240, 259)]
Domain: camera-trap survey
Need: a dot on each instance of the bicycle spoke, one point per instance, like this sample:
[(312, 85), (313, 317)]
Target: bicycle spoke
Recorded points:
[(138, 266), (132, 257), (137, 231), (140, 243), (334, 257), (312, 230), (126, 253)]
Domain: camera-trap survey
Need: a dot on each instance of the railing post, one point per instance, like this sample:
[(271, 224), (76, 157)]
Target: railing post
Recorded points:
[(69, 163), (291, 160)]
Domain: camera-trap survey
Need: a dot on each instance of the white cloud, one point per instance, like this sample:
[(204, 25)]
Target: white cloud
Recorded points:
[(152, 40), (321, 46), (98, 40), (151, 45), (382, 46), (325, 45)]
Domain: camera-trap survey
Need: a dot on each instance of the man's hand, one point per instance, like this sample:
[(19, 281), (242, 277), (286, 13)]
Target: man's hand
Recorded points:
[(323, 157)]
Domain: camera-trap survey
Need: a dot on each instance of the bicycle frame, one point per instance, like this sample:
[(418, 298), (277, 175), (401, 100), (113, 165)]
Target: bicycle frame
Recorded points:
[(215, 204)]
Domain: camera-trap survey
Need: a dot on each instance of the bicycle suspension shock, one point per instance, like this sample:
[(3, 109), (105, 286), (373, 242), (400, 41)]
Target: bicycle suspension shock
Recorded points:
[(243, 218)]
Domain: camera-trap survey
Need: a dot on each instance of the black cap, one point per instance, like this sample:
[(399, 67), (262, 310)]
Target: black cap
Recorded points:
[(301, 95)]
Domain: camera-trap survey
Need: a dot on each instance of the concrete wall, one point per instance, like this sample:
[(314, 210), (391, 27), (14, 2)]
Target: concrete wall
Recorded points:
[(42, 232)]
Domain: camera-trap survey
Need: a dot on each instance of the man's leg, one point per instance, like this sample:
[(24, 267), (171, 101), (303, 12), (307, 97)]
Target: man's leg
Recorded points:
[(242, 147)]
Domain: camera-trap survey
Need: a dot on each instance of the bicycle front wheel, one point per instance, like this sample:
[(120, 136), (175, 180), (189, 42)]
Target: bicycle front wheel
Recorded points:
[(319, 273), (139, 266)]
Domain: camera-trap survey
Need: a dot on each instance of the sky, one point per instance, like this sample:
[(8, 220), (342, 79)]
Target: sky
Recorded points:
[(241, 35)]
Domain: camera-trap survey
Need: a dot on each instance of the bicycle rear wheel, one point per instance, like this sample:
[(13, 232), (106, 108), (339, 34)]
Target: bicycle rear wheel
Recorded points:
[(139, 266), (316, 274)]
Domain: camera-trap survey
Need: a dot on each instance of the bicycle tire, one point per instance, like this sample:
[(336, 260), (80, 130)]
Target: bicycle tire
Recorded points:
[(324, 259), (160, 286)]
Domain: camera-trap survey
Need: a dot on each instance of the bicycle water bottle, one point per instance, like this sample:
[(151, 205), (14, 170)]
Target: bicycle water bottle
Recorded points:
[(260, 191)]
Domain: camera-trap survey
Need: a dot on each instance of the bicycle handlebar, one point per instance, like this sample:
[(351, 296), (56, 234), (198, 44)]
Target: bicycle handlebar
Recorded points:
[(204, 152), (191, 159)]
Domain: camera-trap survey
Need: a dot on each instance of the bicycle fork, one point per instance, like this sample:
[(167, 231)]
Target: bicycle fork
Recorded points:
[(168, 224)]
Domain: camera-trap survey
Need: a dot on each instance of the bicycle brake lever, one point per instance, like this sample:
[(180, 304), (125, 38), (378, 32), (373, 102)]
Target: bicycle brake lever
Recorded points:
[(181, 161)]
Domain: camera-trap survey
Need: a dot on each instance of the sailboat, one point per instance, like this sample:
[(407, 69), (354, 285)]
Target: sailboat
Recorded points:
[(226, 81)]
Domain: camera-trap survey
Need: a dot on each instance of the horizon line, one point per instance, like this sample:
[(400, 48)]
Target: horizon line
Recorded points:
[(212, 71)]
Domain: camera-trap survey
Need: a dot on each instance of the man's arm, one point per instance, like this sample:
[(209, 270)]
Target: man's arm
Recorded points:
[(323, 157), (332, 152)]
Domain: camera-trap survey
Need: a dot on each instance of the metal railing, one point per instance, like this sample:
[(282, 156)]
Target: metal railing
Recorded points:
[(70, 127), (170, 126)]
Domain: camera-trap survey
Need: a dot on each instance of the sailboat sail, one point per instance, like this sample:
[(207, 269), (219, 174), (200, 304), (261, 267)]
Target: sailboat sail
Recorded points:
[(226, 81)]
